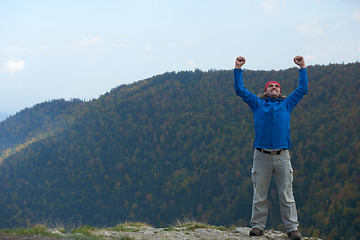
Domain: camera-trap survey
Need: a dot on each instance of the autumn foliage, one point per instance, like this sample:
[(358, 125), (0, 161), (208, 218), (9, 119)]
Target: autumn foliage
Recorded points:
[(180, 145)]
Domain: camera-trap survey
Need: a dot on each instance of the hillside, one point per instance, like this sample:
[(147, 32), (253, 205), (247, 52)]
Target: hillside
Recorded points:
[(180, 145), (34, 124)]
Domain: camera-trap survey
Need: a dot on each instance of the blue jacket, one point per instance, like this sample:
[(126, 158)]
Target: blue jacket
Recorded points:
[(271, 116)]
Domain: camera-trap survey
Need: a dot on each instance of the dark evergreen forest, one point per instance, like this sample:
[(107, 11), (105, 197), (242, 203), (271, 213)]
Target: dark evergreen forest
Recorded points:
[(180, 145)]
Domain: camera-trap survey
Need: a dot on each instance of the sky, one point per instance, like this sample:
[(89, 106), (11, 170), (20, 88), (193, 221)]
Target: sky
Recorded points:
[(66, 49)]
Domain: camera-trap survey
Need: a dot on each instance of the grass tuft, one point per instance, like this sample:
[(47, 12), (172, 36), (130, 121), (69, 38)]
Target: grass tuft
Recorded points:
[(85, 230), (37, 229), (128, 227), (190, 224)]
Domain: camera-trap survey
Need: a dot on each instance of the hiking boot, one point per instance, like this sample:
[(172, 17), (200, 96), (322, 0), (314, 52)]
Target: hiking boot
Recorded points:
[(256, 232), (294, 235)]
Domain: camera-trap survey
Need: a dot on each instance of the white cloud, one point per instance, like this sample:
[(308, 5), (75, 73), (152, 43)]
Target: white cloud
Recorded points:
[(311, 28), (85, 42), (269, 5), (358, 48), (356, 15), (310, 58), (40, 49), (191, 64), (14, 66)]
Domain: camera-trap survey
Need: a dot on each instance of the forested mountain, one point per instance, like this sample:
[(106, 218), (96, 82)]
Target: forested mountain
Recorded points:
[(34, 124), (180, 145)]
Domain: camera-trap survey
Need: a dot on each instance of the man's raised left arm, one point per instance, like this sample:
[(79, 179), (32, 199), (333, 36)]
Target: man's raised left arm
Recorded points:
[(296, 96)]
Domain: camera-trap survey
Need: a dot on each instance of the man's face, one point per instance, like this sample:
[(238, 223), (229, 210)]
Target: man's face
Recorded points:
[(273, 90)]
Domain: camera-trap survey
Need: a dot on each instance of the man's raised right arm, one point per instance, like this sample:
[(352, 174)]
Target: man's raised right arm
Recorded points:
[(238, 78), (240, 89)]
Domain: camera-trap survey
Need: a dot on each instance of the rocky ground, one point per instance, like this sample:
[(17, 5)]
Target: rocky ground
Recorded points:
[(150, 233), (4, 236), (240, 233)]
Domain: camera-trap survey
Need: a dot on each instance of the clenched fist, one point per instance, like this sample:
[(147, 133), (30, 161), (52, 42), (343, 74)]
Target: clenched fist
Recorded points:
[(299, 60), (239, 62)]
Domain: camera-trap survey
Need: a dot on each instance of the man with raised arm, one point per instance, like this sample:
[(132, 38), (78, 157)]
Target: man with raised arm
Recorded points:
[(272, 143)]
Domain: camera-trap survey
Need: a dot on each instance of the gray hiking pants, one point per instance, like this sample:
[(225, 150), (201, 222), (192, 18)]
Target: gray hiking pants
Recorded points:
[(264, 166)]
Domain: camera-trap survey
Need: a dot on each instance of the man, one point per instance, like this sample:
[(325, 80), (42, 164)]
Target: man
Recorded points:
[(272, 143)]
